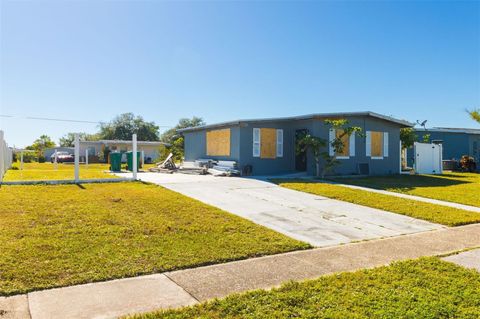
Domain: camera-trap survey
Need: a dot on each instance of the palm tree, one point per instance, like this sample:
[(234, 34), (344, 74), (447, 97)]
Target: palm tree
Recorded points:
[(475, 114)]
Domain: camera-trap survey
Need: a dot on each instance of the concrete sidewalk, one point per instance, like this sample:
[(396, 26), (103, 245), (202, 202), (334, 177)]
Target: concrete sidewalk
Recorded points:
[(467, 259), (315, 219), (187, 287), (413, 197)]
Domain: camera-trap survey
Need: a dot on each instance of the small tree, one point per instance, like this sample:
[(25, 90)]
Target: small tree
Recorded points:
[(68, 139), (123, 126), (175, 139), (426, 138), (337, 143), (320, 147), (315, 145), (408, 137), (39, 146)]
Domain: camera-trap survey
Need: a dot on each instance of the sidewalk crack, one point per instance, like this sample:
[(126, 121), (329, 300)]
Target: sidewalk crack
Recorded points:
[(183, 288)]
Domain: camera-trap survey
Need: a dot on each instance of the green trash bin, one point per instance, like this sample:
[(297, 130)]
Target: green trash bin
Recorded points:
[(115, 162), (130, 160)]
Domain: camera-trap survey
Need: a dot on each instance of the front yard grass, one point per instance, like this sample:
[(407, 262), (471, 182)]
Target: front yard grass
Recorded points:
[(422, 288), (53, 236), (431, 212), (47, 171), (463, 188)]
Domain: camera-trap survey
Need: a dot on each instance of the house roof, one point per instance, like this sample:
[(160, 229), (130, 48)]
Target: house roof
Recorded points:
[(450, 130), (117, 142), (301, 117)]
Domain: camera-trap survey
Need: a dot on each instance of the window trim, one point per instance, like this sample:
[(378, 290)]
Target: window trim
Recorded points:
[(254, 143), (279, 133)]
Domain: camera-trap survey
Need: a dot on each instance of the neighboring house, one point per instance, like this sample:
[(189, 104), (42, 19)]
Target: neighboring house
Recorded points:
[(49, 151), (267, 146), (456, 142), (96, 148)]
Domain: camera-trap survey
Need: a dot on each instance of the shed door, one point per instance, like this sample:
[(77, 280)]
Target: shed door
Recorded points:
[(428, 158)]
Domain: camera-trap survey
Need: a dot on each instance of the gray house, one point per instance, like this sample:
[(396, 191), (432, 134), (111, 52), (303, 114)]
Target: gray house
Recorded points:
[(456, 141), (267, 146)]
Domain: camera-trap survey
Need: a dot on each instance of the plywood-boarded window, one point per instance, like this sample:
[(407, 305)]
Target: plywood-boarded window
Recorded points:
[(218, 142), (268, 142), (346, 143), (376, 144)]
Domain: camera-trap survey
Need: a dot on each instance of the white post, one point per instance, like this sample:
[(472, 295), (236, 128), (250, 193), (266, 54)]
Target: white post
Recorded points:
[(2, 156), (77, 158), (401, 158), (134, 157), (142, 160), (56, 160), (86, 157), (21, 160)]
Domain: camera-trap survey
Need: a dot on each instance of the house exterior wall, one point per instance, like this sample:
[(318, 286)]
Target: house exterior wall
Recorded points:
[(454, 145), (94, 149), (474, 143), (387, 165), (242, 146), (278, 165), (196, 145)]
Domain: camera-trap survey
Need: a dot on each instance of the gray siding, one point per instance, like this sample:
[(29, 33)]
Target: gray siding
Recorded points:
[(242, 146), (387, 165), (196, 145), (279, 165), (455, 145)]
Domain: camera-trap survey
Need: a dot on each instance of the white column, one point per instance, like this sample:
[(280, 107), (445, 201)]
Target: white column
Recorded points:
[(2, 156), (401, 157), (86, 157), (77, 158), (21, 160), (55, 162), (134, 156), (142, 160)]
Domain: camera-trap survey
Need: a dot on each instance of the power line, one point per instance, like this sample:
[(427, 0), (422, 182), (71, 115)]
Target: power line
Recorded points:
[(59, 120)]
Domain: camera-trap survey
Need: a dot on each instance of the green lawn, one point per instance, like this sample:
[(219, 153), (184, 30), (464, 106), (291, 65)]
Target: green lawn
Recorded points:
[(54, 236), (47, 171), (435, 213), (426, 288), (463, 188)]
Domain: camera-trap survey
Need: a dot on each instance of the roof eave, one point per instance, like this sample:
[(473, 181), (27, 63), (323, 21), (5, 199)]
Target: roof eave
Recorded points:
[(403, 123)]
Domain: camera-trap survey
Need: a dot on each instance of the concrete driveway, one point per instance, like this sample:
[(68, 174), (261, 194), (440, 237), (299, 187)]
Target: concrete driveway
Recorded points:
[(317, 220)]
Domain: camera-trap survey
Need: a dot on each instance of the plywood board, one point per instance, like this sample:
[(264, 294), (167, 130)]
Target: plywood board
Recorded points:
[(218, 142), (268, 143), (377, 144), (346, 143)]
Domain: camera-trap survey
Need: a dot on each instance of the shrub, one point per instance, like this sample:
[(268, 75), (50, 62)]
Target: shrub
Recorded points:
[(468, 164), (28, 157)]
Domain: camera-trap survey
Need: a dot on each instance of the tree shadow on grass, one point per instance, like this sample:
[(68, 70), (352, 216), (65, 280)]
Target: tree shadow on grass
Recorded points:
[(403, 182)]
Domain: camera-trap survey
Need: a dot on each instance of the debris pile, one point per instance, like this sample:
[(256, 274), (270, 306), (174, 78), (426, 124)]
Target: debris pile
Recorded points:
[(167, 166), (224, 168), (198, 167)]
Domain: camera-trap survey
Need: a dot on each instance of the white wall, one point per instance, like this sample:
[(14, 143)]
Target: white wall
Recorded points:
[(5, 156)]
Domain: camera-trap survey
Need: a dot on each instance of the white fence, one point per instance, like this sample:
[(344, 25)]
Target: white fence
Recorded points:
[(6, 156)]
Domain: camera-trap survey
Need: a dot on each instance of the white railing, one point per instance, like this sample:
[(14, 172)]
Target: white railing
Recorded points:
[(6, 156)]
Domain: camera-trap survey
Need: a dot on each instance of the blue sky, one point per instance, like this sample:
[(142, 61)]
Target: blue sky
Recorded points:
[(90, 60)]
